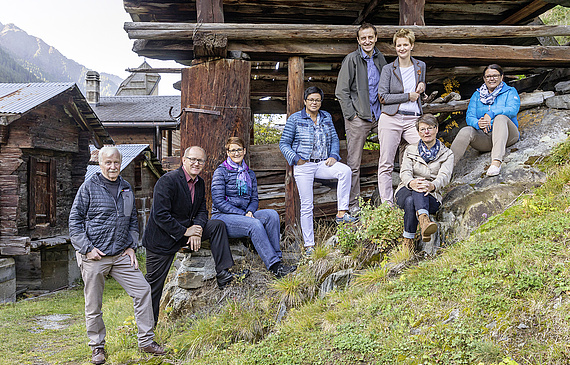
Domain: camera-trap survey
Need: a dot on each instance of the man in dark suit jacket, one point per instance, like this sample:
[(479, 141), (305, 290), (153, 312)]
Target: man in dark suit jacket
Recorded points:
[(179, 217)]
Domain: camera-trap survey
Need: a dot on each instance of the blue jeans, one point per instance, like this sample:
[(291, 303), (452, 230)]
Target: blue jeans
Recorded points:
[(412, 201), (263, 229)]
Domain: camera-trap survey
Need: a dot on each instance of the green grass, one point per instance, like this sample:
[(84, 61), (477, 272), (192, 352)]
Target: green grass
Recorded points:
[(498, 297)]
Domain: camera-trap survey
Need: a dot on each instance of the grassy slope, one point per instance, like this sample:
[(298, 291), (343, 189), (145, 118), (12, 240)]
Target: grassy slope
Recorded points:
[(501, 293)]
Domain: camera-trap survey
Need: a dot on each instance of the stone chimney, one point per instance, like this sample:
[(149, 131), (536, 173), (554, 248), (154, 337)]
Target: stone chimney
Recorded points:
[(93, 87)]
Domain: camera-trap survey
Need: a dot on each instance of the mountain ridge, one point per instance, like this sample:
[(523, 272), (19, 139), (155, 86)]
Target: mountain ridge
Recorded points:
[(21, 52)]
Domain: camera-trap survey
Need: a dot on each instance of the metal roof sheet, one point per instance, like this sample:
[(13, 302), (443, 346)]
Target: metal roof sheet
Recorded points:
[(20, 98), (128, 151), (151, 108)]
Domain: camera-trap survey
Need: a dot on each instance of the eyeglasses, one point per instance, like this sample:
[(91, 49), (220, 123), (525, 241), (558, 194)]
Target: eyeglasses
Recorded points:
[(316, 101), (423, 130), (237, 151), (493, 77), (194, 160)]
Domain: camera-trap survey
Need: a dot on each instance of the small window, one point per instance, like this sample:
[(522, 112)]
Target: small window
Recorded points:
[(41, 192)]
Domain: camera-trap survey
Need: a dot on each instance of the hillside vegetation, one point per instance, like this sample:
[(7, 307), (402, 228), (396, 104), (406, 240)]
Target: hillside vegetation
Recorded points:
[(499, 297)]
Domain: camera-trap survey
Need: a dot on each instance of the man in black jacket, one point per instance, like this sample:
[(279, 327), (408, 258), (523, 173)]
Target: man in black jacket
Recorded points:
[(179, 217)]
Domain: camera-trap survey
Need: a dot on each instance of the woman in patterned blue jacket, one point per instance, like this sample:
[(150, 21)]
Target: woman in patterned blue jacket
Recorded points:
[(235, 202), (310, 144)]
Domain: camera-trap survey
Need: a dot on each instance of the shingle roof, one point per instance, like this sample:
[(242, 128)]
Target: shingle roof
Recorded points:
[(128, 151), (150, 108), (20, 98)]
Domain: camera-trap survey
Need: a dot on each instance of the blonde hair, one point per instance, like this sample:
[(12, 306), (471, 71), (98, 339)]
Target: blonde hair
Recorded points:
[(404, 33)]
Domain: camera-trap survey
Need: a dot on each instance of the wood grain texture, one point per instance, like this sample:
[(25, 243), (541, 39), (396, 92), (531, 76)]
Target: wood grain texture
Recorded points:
[(223, 86)]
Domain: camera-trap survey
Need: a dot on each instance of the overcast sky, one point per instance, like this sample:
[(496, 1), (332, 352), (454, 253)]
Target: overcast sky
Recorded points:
[(89, 32)]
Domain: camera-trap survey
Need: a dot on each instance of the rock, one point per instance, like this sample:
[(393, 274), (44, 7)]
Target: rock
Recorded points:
[(332, 241), (472, 197), (563, 87), (452, 316), (337, 280), (559, 102)]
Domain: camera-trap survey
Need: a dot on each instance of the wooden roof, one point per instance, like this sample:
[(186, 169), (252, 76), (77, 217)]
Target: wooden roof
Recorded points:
[(378, 12)]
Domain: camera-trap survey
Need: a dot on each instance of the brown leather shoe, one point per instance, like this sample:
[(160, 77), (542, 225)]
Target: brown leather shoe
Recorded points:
[(98, 356), (427, 227), (154, 349)]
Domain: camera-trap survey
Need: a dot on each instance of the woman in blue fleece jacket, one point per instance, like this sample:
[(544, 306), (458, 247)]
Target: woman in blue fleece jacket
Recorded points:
[(310, 144), (491, 120), (235, 202)]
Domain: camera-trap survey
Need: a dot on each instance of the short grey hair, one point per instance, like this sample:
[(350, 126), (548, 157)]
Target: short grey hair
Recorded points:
[(186, 151), (110, 150)]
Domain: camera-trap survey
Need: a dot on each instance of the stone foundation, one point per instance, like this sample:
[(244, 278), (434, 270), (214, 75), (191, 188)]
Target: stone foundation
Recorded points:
[(7, 280)]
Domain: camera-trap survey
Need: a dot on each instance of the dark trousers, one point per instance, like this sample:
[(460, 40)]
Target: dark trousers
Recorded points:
[(412, 201), (157, 266)]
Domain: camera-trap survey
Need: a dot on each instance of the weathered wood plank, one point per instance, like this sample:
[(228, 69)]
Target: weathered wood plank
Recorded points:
[(295, 90), (222, 86), (412, 12), (312, 32)]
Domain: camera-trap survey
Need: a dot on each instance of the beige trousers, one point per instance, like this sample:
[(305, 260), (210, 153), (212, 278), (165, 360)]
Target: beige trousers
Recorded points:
[(504, 133), (134, 283), (356, 132)]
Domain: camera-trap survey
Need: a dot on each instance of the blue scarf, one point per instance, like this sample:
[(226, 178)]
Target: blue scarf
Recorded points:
[(486, 97), (428, 154), (243, 181)]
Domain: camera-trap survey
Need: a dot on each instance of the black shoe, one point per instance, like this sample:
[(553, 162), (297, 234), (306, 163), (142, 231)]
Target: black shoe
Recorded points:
[(225, 277), (281, 270)]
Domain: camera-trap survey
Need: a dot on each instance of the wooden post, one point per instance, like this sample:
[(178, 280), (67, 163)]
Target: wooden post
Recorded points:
[(210, 45), (295, 89), (412, 12), (215, 104)]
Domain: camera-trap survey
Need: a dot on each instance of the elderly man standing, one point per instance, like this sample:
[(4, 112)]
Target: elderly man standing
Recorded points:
[(357, 93), (178, 217), (104, 231)]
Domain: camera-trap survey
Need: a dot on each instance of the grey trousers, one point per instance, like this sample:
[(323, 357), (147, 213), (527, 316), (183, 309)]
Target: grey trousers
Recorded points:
[(504, 133), (356, 132), (131, 279)]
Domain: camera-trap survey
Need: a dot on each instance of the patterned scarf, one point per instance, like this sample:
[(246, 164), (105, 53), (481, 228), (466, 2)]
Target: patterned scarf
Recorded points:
[(243, 181), (428, 154), (486, 97)]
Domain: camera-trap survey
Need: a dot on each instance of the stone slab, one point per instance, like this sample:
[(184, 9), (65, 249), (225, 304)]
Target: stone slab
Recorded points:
[(559, 102), (7, 280)]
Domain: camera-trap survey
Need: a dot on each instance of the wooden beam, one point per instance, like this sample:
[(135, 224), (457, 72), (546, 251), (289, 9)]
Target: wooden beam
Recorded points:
[(525, 12), (471, 53), (262, 88), (210, 11), (412, 12), (158, 70), (210, 45), (295, 90), (367, 11), (311, 32)]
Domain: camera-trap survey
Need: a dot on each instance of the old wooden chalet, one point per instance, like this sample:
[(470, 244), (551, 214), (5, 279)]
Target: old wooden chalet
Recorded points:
[(240, 52), (45, 132), (136, 115)]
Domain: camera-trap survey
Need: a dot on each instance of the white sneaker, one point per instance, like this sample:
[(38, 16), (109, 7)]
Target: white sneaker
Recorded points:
[(493, 170)]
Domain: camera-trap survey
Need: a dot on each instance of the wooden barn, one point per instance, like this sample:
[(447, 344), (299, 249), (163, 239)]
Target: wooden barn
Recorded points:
[(45, 132), (240, 52), (140, 168)]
